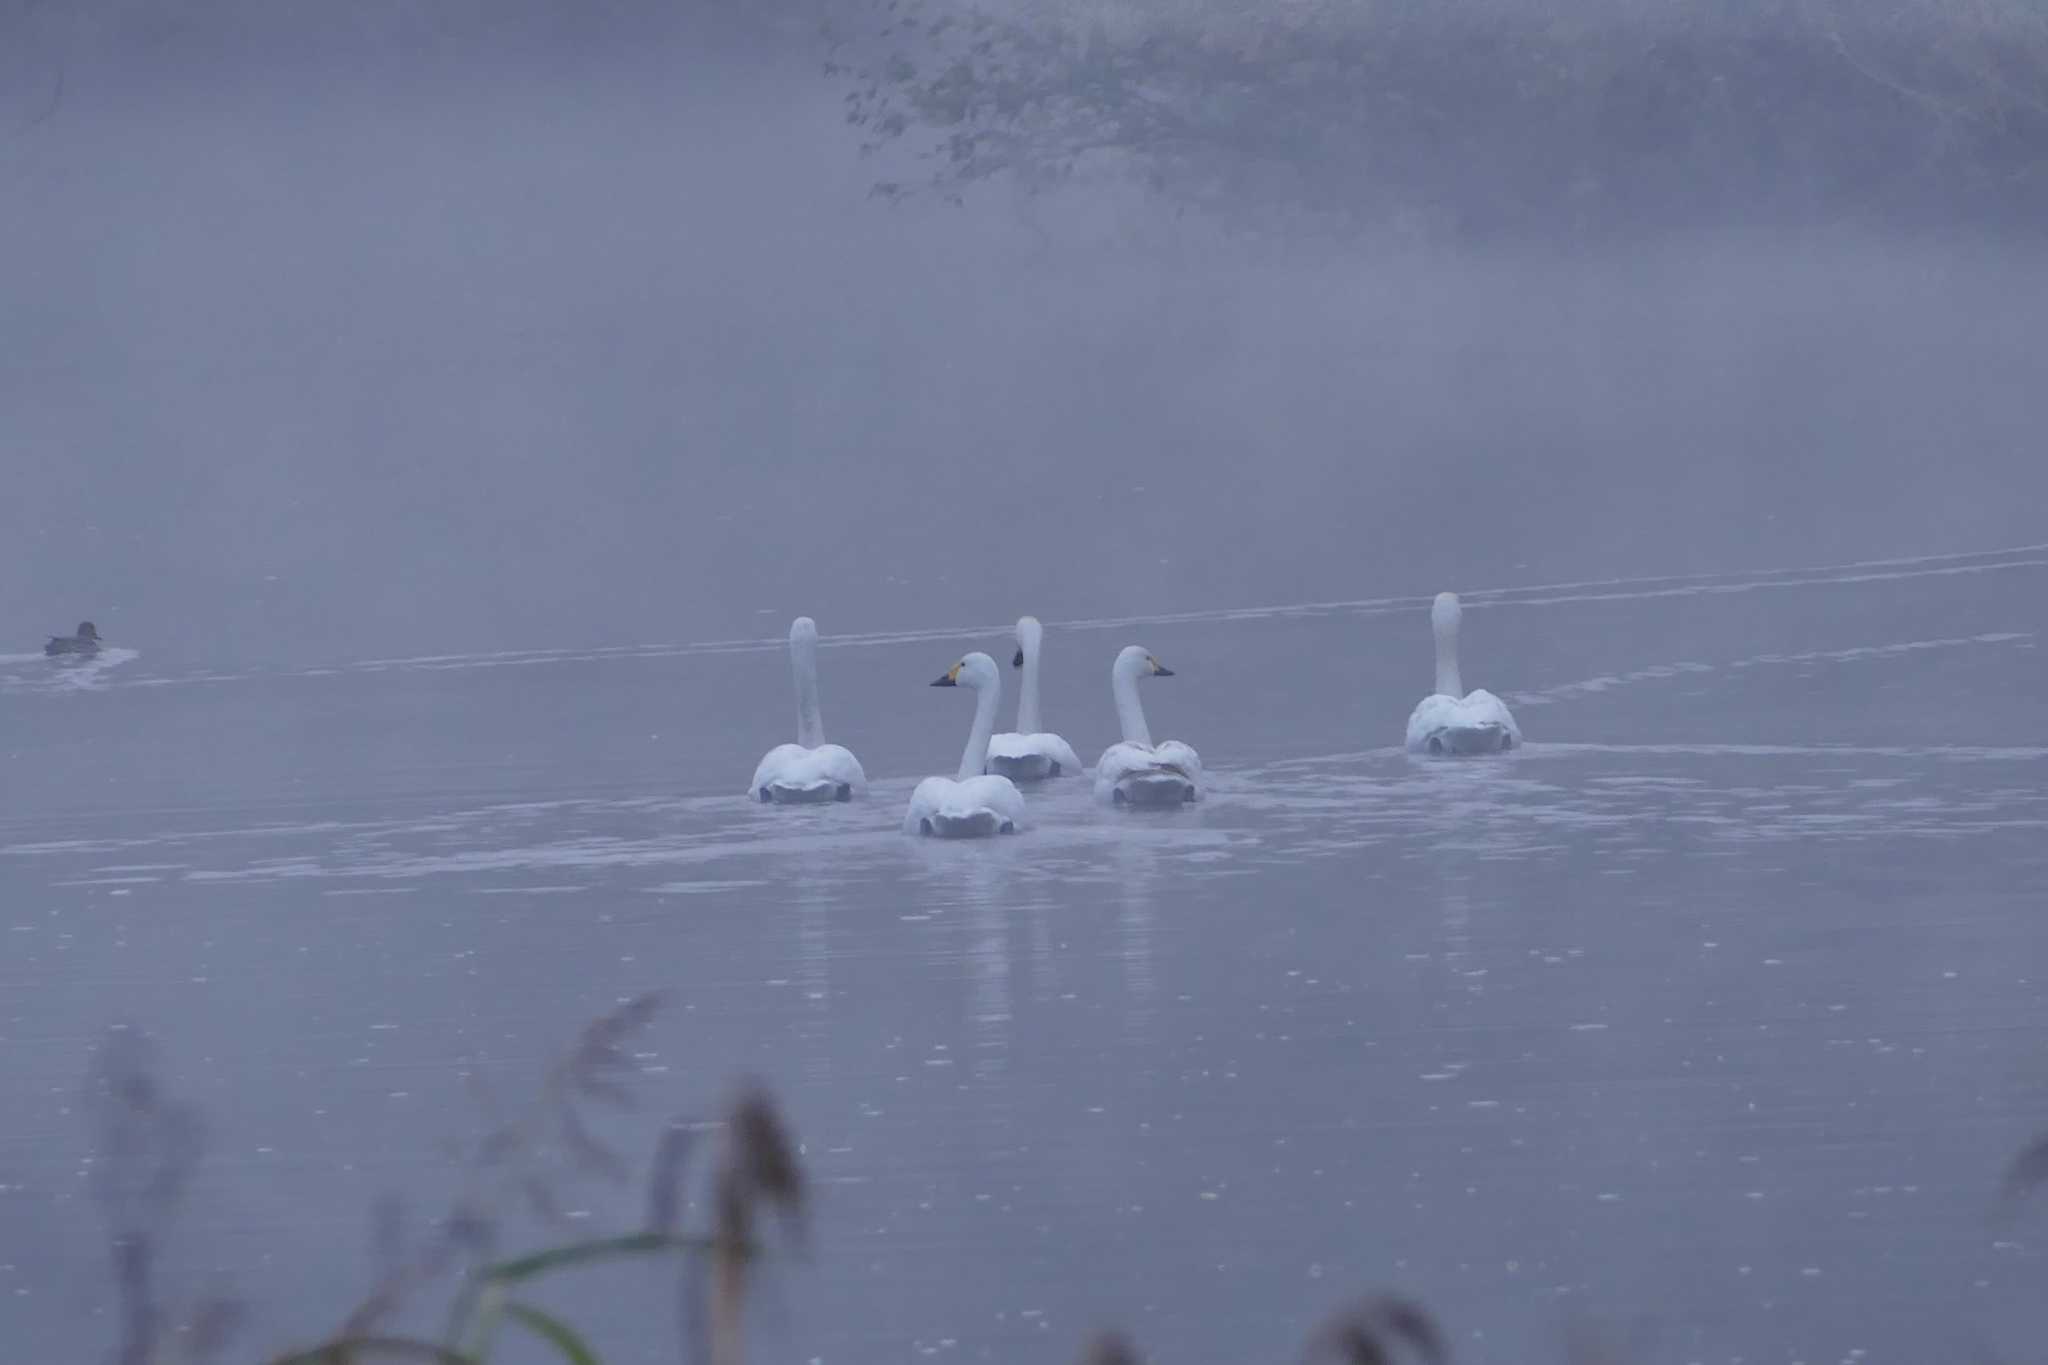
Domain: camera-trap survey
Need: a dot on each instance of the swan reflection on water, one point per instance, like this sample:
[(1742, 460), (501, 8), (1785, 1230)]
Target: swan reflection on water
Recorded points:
[(1137, 880)]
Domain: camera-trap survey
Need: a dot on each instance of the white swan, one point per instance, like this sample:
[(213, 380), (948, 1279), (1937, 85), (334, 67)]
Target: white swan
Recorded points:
[(1135, 771), (1027, 754), (973, 804), (1452, 720), (809, 770)]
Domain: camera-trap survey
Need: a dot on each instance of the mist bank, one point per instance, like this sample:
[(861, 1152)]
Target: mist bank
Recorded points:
[(298, 370), (1438, 120), (1476, 121)]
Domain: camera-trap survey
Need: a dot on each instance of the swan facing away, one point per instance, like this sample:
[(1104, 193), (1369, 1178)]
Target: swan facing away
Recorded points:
[(974, 804), (1135, 771), (809, 770), (1452, 720), (1027, 754)]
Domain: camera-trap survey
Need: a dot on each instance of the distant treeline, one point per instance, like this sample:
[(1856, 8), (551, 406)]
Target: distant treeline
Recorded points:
[(1482, 121), (1461, 119)]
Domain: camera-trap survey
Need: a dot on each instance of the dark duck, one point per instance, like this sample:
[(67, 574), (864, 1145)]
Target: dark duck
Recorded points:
[(87, 641)]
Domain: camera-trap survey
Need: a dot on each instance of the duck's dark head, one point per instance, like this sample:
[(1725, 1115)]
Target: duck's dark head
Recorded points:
[(88, 631)]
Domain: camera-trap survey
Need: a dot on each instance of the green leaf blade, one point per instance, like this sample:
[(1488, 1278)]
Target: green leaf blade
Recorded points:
[(555, 1332)]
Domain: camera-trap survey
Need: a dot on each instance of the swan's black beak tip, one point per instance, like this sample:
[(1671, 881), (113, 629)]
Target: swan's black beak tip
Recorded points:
[(944, 682), (1163, 672), (1018, 662)]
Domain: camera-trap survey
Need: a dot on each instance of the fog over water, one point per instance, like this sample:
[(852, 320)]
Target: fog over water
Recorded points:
[(442, 424)]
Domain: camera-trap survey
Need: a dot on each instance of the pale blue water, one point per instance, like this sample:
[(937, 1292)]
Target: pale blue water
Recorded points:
[(1711, 1016)]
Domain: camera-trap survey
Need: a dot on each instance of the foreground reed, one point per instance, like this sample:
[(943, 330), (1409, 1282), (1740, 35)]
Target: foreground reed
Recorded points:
[(148, 1144)]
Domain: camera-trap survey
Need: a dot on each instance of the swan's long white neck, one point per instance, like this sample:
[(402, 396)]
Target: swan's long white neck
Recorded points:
[(1130, 716), (1444, 617), (1029, 635), (975, 757), (803, 663)]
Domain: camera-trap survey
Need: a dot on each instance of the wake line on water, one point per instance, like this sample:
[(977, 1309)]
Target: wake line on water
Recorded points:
[(67, 673), (1537, 751), (1544, 594), (1571, 691), (1968, 753), (1587, 590), (1851, 573)]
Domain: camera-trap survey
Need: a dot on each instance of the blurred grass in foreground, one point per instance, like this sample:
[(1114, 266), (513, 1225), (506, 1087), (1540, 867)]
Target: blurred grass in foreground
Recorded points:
[(148, 1144)]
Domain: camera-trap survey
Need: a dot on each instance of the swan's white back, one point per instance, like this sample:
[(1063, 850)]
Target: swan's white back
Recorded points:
[(969, 804), (1135, 771), (810, 769), (1029, 753), (1451, 720)]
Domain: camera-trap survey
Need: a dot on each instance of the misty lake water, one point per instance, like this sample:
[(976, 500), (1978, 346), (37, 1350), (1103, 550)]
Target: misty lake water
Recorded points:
[(1709, 1018)]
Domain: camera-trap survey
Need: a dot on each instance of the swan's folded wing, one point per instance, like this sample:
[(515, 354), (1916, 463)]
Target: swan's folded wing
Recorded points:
[(937, 797), (998, 794), (924, 801), (836, 763), (792, 765), (777, 765), (1469, 724), (1041, 745), (1431, 715), (1122, 759), (1174, 754), (1127, 760), (945, 796), (1010, 744), (1481, 707), (1060, 752)]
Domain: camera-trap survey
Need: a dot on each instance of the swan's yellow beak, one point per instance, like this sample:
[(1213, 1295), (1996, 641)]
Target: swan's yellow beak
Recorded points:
[(952, 676), (1159, 670)]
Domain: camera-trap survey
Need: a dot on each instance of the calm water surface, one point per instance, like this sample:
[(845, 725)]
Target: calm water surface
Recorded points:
[(1709, 1018)]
